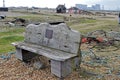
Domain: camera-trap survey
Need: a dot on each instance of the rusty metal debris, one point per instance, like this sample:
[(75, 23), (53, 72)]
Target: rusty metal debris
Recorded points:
[(103, 40), (98, 42)]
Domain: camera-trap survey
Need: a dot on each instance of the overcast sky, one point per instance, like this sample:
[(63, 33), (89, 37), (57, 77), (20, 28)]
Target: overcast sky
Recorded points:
[(108, 4)]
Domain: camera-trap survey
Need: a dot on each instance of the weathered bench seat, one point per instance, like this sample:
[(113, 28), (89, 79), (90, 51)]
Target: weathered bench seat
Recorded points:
[(55, 41), (45, 51)]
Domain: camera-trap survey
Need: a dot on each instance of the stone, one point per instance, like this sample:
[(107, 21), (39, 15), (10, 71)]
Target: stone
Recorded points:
[(59, 36), (38, 65)]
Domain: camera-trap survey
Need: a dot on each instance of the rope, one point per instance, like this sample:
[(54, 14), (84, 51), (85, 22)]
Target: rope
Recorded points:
[(8, 56), (96, 61)]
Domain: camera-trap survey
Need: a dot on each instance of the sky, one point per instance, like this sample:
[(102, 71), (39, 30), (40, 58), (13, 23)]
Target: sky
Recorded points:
[(108, 4)]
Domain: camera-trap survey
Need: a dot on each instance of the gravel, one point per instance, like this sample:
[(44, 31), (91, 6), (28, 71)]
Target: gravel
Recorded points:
[(14, 69)]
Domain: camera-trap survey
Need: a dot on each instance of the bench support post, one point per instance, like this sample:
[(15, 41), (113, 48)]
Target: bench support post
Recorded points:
[(18, 53), (60, 68), (63, 68), (24, 55)]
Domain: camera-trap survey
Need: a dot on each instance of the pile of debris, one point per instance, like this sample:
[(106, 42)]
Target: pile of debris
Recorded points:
[(17, 22), (102, 40), (83, 12), (96, 61), (100, 65), (100, 36)]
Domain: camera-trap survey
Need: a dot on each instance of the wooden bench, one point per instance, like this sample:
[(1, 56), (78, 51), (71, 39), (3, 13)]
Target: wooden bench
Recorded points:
[(55, 41)]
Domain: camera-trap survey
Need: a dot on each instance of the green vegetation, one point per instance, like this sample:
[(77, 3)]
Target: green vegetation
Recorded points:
[(8, 36), (11, 31), (84, 24), (92, 25)]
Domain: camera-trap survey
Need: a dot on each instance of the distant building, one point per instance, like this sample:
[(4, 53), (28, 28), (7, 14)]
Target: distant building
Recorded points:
[(3, 9), (74, 10), (81, 6), (96, 7), (61, 9), (85, 7)]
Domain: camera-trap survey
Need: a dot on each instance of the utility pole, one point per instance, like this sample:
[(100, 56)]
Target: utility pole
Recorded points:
[(3, 3)]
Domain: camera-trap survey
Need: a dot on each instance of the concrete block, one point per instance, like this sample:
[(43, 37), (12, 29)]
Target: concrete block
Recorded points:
[(59, 36), (64, 68)]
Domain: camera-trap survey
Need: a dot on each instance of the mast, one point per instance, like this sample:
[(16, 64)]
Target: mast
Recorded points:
[(3, 3)]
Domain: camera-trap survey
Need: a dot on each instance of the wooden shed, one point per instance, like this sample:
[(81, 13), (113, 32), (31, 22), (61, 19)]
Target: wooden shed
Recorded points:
[(61, 9)]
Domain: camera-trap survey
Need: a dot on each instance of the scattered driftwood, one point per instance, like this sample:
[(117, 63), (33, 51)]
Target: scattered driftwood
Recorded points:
[(17, 22), (11, 24)]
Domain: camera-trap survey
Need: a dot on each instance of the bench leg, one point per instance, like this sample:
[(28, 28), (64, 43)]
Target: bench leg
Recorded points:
[(63, 68), (24, 55), (18, 54)]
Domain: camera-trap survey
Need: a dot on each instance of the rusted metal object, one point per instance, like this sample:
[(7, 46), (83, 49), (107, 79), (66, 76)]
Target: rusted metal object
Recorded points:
[(103, 39)]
